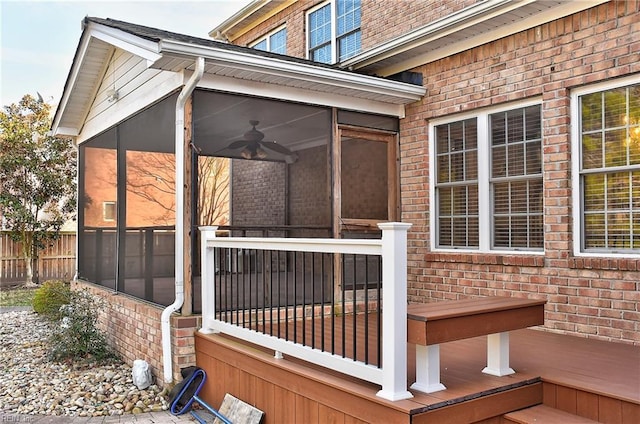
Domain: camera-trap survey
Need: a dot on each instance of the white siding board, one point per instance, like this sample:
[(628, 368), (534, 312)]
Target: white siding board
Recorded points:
[(137, 86)]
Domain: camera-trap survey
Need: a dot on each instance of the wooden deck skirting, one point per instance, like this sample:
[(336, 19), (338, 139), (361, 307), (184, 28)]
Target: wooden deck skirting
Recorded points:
[(433, 323), (292, 391), (590, 378)]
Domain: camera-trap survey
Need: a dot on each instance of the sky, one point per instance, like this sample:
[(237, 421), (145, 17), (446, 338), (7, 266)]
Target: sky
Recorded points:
[(38, 39)]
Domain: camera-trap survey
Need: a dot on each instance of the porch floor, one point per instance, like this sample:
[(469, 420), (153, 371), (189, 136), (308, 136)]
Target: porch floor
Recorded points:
[(560, 371)]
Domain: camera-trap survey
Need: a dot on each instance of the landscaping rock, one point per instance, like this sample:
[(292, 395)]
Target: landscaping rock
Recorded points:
[(31, 384)]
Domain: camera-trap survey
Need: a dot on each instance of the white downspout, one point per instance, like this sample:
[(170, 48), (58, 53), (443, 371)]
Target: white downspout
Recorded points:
[(179, 220)]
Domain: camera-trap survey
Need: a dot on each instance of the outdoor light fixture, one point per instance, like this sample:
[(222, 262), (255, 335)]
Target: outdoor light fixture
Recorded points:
[(250, 152), (112, 95), (254, 147)]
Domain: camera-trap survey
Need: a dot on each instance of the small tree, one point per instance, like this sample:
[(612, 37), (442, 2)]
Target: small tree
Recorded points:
[(37, 178)]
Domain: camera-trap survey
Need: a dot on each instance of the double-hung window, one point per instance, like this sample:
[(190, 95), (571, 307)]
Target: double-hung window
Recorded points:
[(607, 142), (275, 42), (333, 30), (487, 181)]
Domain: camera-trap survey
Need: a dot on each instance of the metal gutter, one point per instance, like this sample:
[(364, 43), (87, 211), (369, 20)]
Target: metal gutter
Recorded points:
[(179, 232)]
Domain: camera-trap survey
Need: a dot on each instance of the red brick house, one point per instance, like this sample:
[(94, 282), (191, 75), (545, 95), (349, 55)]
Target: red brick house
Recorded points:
[(490, 217), (507, 133)]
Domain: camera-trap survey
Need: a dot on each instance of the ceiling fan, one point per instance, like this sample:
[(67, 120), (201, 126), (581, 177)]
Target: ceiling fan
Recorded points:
[(254, 147)]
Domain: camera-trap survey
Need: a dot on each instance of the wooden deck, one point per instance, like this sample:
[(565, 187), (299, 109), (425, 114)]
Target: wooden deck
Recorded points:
[(592, 379)]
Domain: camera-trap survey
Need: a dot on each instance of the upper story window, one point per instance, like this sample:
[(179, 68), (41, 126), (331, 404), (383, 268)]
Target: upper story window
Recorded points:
[(275, 42), (488, 181), (607, 138), (333, 30)]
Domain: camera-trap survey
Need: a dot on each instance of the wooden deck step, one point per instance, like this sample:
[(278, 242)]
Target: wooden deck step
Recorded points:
[(542, 414)]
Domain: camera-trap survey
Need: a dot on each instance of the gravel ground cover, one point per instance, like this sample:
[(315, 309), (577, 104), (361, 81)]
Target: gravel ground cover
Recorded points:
[(31, 384)]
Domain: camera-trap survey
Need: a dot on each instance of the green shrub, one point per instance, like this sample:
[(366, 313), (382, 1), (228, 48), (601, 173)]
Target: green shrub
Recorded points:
[(77, 337), (48, 299)]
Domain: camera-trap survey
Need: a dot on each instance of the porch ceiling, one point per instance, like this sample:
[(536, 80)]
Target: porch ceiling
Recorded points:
[(177, 53)]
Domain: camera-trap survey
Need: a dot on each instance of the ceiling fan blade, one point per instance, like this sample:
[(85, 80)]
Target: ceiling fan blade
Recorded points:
[(272, 145), (238, 144)]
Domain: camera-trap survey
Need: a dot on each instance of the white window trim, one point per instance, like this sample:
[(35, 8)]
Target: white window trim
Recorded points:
[(267, 37), (104, 211), (484, 199), (333, 28), (334, 25), (575, 164)]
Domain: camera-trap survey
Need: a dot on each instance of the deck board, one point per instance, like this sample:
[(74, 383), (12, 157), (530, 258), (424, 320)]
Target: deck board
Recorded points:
[(572, 370)]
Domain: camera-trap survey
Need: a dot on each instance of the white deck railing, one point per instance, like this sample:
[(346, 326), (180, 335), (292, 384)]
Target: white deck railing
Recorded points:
[(392, 374)]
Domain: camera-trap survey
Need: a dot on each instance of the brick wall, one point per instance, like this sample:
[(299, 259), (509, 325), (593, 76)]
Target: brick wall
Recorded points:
[(258, 193), (381, 20), (590, 297), (294, 18), (133, 328)]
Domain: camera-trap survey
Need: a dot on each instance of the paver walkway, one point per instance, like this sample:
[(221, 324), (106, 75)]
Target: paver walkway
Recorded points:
[(147, 418)]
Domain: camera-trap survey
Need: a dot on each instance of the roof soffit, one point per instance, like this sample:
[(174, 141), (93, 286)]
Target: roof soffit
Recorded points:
[(90, 63), (475, 25), (98, 42), (286, 73)]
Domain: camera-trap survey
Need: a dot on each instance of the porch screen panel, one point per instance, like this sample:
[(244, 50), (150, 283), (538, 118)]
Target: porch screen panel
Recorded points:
[(148, 169), (365, 185), (97, 210)]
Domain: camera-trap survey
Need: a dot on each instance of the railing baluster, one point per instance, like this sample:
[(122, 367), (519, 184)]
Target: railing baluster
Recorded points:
[(354, 305), (343, 305), (379, 313), (313, 300), (279, 290), (295, 295), (366, 309), (263, 279), (333, 307), (287, 302), (323, 300), (264, 289)]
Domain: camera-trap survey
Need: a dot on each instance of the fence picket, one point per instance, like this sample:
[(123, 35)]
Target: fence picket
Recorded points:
[(57, 261)]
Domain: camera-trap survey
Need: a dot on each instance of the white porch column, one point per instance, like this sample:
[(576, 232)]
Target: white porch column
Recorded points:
[(498, 355), (207, 277), (394, 315), (428, 369)]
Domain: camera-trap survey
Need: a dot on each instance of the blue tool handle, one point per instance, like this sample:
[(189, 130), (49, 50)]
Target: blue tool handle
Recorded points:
[(202, 403)]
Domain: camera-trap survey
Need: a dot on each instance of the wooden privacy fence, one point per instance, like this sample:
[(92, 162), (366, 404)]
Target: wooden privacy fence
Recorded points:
[(57, 259)]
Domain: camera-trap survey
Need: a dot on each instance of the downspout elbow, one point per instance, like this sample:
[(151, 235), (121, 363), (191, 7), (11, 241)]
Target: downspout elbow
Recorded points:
[(179, 220)]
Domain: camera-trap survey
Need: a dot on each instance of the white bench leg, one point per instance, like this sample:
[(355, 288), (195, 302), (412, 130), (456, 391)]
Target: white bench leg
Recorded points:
[(498, 355), (428, 369)]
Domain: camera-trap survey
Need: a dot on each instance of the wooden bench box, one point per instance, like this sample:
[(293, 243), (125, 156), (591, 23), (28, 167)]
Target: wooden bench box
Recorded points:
[(430, 324)]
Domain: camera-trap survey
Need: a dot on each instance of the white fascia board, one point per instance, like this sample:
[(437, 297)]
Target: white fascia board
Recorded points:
[(438, 29), (146, 49), (458, 21), (70, 84), (66, 132), (293, 94), (133, 44), (238, 17), (407, 92)]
